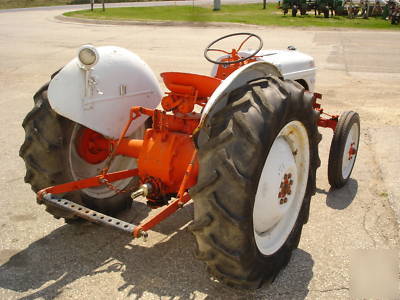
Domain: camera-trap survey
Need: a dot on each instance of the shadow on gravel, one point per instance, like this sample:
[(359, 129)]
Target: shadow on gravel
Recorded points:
[(167, 268), (343, 197)]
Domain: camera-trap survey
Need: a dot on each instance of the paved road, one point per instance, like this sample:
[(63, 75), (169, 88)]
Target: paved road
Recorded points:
[(40, 257)]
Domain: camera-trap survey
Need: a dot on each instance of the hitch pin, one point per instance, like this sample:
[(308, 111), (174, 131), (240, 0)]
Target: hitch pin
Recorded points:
[(144, 190), (138, 232), (144, 234)]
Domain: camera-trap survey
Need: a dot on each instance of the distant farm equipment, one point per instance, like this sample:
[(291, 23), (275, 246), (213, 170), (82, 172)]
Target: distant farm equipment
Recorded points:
[(330, 8)]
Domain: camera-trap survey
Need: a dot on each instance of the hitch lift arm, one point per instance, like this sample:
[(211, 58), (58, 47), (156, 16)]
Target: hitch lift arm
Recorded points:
[(46, 195)]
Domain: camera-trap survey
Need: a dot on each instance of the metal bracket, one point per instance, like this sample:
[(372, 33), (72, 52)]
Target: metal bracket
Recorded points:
[(89, 214)]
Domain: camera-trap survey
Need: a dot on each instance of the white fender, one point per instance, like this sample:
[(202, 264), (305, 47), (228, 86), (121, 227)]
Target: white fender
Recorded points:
[(100, 98), (238, 78), (235, 80)]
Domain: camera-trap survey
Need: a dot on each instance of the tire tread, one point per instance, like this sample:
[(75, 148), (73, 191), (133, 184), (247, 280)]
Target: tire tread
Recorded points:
[(225, 243)]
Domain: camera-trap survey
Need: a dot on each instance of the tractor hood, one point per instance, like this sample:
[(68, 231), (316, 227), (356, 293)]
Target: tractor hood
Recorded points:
[(100, 96), (288, 62), (292, 64)]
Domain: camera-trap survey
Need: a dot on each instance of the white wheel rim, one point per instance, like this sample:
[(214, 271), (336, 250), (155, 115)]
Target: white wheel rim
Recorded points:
[(348, 160), (273, 220), (81, 169)]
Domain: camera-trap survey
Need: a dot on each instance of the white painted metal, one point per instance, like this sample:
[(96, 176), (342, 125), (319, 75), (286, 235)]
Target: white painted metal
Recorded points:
[(100, 98), (273, 221), (352, 139), (81, 169), (88, 56), (292, 64)]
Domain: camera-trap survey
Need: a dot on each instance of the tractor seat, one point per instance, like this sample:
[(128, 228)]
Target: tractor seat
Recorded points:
[(187, 83)]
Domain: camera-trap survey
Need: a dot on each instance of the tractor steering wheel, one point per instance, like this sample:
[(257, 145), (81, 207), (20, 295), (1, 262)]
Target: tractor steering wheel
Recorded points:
[(234, 52)]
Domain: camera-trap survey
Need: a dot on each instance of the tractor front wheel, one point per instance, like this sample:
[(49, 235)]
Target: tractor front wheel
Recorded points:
[(257, 169), (344, 149), (51, 157)]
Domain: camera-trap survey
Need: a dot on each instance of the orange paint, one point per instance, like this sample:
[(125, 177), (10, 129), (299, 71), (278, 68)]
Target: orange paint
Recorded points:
[(224, 71), (187, 90), (87, 183), (186, 83), (166, 156), (324, 122), (129, 147), (92, 146)]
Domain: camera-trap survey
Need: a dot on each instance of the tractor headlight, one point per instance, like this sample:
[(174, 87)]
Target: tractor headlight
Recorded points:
[(88, 55)]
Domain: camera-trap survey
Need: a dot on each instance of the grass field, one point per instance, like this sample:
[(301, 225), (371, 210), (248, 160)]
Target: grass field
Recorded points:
[(30, 3), (247, 14), (4, 4)]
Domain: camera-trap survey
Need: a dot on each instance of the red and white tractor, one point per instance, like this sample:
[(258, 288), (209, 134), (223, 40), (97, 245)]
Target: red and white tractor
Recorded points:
[(241, 143)]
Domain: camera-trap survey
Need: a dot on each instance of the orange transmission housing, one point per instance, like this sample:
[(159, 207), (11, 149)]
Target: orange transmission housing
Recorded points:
[(167, 153)]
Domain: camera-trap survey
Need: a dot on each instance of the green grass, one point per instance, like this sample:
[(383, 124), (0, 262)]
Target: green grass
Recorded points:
[(4, 4), (247, 14), (31, 3)]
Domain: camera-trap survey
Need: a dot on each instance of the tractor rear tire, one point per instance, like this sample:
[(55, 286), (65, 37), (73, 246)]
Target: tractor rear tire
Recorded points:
[(235, 145), (340, 163), (45, 152)]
